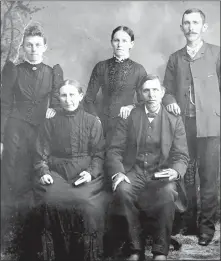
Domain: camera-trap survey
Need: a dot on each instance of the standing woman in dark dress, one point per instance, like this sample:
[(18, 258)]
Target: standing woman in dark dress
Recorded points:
[(119, 78), (71, 146), (29, 93)]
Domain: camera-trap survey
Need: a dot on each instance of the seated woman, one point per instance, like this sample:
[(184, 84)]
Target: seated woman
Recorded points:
[(70, 146)]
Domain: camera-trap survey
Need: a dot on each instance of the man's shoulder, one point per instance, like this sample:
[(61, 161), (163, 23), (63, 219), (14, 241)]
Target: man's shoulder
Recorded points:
[(178, 52), (171, 117), (213, 48), (139, 108)]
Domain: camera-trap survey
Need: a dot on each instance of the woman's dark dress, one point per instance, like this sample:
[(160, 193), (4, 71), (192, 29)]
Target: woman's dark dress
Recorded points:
[(70, 143), (27, 91), (119, 82)]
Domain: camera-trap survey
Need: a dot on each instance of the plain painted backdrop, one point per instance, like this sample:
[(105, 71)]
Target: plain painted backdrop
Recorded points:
[(79, 31)]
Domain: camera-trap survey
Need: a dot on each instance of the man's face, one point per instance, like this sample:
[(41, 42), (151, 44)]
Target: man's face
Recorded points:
[(34, 48), (193, 26), (152, 93), (70, 97), (121, 44)]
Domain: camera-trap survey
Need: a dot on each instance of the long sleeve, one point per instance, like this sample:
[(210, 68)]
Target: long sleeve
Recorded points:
[(114, 157), (169, 82), (42, 149), (9, 75), (179, 156), (96, 149), (92, 90), (57, 79)]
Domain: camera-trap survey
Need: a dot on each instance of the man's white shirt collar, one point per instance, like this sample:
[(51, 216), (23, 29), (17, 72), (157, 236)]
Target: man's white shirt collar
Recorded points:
[(192, 51), (157, 111)]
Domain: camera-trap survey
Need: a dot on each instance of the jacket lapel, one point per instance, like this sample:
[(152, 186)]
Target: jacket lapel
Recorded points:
[(198, 55), (140, 130), (167, 131), (201, 52), (138, 125)]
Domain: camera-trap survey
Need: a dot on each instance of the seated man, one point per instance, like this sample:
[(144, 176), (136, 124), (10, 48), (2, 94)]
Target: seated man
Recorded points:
[(150, 141), (69, 170)]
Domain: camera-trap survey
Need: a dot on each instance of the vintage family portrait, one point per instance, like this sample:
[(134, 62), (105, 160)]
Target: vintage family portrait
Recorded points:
[(110, 130)]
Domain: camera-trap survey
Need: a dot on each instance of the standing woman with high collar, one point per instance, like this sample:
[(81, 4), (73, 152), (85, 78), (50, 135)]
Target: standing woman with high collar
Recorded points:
[(119, 78), (29, 93)]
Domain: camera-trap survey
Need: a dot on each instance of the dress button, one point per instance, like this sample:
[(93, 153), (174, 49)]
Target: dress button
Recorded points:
[(148, 136), (149, 127)]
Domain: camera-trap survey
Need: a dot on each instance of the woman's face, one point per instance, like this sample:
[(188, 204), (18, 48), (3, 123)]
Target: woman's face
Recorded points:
[(70, 97), (34, 48), (122, 44)]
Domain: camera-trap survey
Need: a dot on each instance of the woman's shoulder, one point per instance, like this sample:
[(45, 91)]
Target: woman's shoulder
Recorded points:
[(103, 63), (90, 119), (87, 115), (136, 64)]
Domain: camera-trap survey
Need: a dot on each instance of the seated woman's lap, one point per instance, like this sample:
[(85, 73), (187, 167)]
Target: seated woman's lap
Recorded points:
[(89, 199)]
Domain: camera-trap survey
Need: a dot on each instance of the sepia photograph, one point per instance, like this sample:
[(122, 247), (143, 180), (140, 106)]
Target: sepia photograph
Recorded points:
[(110, 130)]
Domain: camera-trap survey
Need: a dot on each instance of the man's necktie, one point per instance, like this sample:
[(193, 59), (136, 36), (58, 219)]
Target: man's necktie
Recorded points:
[(151, 114)]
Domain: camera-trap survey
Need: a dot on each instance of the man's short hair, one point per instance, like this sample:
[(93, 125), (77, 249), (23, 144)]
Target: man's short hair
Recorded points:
[(195, 10), (34, 30), (149, 77)]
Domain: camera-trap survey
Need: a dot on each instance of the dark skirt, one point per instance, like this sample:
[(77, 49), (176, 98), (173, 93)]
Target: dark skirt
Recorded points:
[(16, 175), (74, 216), (17, 163)]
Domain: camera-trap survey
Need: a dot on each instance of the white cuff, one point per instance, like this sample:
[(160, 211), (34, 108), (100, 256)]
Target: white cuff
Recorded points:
[(114, 175)]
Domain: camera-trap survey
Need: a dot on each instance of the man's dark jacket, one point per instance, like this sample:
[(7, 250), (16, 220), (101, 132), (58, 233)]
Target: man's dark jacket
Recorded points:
[(205, 73), (122, 152)]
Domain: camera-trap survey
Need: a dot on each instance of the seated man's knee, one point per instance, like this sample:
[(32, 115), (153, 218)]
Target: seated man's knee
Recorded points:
[(169, 192), (123, 190)]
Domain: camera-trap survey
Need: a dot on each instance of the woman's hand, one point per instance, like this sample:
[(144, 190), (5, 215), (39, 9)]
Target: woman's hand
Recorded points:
[(174, 108), (50, 113), (46, 179), (125, 111), (118, 178)]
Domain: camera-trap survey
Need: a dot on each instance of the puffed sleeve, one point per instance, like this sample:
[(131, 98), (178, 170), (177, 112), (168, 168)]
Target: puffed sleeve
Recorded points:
[(43, 148), (9, 75), (58, 78)]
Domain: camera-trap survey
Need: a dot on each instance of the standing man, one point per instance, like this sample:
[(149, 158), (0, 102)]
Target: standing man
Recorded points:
[(192, 81), (148, 141)]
